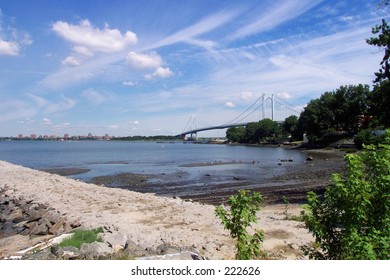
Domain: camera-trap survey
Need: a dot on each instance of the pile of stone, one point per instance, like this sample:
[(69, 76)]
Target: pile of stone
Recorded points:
[(20, 216), (26, 217), (115, 246)]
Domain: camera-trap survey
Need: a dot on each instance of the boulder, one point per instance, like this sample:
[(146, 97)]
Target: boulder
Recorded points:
[(134, 250), (95, 250), (167, 249), (35, 215), (115, 238), (309, 158), (67, 252), (58, 227), (39, 229), (53, 217), (42, 255), (16, 216)]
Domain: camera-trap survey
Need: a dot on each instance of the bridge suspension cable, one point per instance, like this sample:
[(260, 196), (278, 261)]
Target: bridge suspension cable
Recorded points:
[(239, 116), (192, 124)]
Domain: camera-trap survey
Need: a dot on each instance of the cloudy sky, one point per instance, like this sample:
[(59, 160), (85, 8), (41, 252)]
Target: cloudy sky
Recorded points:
[(146, 67)]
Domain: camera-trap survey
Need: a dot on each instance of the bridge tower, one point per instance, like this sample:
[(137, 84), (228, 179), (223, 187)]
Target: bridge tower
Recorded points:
[(263, 100)]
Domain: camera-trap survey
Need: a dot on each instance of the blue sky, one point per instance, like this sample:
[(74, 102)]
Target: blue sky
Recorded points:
[(145, 67)]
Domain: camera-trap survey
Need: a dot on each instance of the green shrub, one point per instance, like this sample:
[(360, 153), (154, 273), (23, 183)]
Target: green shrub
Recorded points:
[(243, 208), (352, 221), (82, 236)]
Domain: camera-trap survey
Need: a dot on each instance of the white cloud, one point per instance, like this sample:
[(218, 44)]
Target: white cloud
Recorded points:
[(142, 61), (277, 14), (190, 34), (63, 105), (71, 61), (11, 40), (83, 51), (134, 123), (246, 95), (96, 97), (86, 35), (129, 83), (230, 104), (15, 109), (284, 95), (163, 72), (9, 48), (149, 61), (46, 121)]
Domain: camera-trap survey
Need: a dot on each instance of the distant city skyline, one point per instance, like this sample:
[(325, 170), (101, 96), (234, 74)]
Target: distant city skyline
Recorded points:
[(128, 68)]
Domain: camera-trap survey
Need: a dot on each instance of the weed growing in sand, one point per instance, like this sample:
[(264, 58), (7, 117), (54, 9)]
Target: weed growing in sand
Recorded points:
[(242, 213), (285, 211), (82, 236), (352, 221)]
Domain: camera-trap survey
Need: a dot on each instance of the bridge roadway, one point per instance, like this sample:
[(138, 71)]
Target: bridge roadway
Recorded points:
[(193, 131)]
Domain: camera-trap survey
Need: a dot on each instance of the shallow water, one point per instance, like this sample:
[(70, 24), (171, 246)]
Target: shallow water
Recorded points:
[(175, 166)]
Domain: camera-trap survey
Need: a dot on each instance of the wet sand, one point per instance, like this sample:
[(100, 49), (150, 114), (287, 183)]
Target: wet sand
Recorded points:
[(298, 179)]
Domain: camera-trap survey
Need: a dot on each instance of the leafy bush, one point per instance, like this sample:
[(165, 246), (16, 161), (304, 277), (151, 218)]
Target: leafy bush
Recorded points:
[(352, 221), (365, 137), (82, 236), (243, 208)]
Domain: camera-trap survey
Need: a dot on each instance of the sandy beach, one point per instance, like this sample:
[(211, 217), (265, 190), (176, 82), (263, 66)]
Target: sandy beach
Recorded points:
[(150, 220)]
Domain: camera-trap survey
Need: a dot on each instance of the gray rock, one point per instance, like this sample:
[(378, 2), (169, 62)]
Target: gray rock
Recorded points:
[(43, 255), (34, 215), (115, 238), (95, 250), (187, 255), (58, 228), (8, 229), (134, 250), (309, 158), (53, 217), (16, 216), (67, 253), (39, 229), (4, 200), (167, 249)]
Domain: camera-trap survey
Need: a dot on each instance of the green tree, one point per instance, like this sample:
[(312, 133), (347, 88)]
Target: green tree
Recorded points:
[(382, 40), (335, 112), (290, 127), (268, 128), (259, 131), (252, 132), (381, 92), (352, 221), (381, 104), (243, 208), (236, 134)]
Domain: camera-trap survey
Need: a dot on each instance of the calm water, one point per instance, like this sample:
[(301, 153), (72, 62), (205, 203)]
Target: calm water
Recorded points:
[(113, 157)]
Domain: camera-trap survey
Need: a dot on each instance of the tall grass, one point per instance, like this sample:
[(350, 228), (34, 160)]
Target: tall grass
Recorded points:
[(82, 236)]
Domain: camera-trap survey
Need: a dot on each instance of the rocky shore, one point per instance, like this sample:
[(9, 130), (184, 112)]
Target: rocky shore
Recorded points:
[(37, 206)]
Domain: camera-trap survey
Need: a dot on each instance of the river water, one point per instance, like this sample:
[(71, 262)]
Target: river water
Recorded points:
[(173, 167)]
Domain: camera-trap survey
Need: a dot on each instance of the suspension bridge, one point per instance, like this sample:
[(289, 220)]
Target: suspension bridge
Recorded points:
[(266, 106)]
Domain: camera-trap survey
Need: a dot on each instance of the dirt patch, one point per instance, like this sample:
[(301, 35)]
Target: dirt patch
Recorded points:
[(278, 234)]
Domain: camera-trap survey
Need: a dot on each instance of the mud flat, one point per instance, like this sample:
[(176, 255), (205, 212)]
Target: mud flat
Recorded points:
[(146, 219), (311, 175)]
